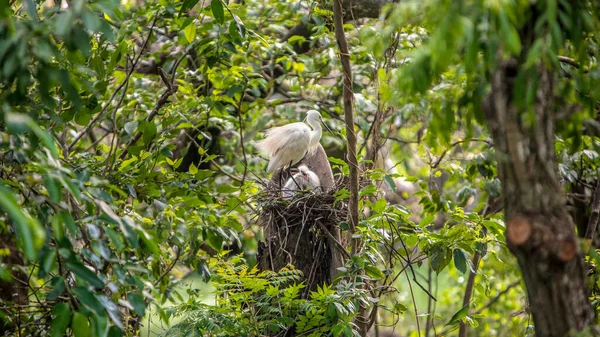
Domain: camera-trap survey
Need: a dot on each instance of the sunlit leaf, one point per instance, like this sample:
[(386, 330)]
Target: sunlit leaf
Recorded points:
[(459, 315), (190, 32)]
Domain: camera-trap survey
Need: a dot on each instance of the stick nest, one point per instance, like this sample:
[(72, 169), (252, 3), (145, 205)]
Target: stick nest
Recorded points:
[(294, 232)]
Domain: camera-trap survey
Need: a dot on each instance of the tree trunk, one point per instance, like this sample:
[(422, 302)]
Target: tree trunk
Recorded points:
[(539, 230)]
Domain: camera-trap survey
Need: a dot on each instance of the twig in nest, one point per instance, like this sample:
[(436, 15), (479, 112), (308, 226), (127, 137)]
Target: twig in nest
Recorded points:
[(333, 240)]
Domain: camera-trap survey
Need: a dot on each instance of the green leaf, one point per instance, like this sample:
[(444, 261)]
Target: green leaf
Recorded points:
[(460, 261), (29, 231), (130, 127), (379, 206), (91, 21), (389, 181), (190, 32), (216, 7), (100, 325), (63, 23), (509, 35), (52, 188), (149, 132), (399, 308), (137, 302), (48, 260), (426, 220), (459, 315), (214, 240), (61, 319), (187, 4), (19, 123), (374, 272), (80, 325), (125, 164), (89, 301), (193, 169), (113, 310), (58, 287), (84, 273), (31, 9), (439, 258), (234, 34)]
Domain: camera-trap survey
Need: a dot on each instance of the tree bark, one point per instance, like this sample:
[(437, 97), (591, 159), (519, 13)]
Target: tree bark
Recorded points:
[(348, 99), (539, 230)]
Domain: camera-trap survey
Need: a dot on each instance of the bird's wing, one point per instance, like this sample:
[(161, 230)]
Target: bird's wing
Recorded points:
[(278, 136), (290, 146)]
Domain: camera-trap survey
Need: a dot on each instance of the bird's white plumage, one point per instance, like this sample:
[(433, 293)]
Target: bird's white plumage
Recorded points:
[(305, 179), (288, 144)]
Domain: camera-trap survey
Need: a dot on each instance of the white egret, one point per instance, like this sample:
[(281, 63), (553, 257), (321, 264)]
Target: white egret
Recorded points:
[(287, 145), (305, 179)]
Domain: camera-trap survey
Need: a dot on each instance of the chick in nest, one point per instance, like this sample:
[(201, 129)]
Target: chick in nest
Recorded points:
[(305, 179)]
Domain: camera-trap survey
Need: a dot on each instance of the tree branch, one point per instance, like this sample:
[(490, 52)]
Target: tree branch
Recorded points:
[(333, 240), (497, 297), (125, 81), (348, 98), (171, 89), (590, 232), (568, 61), (462, 332)]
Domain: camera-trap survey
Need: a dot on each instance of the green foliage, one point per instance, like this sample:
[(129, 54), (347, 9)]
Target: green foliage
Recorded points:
[(104, 222), (253, 303)]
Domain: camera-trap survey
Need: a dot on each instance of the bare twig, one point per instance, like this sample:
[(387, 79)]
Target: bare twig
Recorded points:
[(161, 102), (402, 141), (242, 134), (112, 96), (497, 297), (115, 133), (170, 267), (407, 260), (458, 142), (334, 241), (412, 295)]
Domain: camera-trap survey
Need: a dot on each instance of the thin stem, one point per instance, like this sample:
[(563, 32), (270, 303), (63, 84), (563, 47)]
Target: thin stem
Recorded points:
[(112, 96)]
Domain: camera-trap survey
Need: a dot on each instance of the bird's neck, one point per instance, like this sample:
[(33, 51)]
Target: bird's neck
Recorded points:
[(315, 135)]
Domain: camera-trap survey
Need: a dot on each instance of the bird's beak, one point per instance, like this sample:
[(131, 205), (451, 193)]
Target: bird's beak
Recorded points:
[(326, 127)]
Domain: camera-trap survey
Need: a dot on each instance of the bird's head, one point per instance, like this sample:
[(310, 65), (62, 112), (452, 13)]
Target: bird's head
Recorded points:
[(313, 117), (303, 170)]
